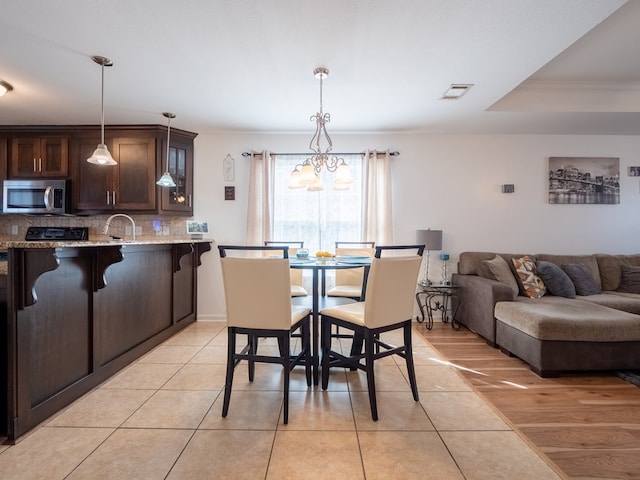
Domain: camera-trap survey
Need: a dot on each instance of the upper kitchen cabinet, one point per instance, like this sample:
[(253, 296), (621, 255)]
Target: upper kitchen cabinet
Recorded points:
[(141, 154), (39, 156), (4, 156), (179, 199), (127, 186)]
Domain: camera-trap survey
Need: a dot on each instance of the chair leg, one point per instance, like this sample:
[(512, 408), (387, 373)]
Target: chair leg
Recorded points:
[(285, 345), (356, 346), (231, 350), (371, 382), (325, 343), (306, 348), (253, 350), (408, 343)]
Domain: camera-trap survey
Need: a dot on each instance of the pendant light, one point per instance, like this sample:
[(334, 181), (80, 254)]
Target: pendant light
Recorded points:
[(309, 174), (101, 155), (166, 180)]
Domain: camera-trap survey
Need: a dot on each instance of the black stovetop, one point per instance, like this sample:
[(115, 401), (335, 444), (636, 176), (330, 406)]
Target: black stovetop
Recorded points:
[(57, 233)]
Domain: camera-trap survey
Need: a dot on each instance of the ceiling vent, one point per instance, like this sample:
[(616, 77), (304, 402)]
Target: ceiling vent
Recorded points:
[(456, 90)]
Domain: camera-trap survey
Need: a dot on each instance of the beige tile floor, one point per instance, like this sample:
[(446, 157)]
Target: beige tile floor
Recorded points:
[(160, 419)]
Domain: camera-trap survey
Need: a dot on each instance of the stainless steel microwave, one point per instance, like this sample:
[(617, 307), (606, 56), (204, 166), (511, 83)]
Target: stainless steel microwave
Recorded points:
[(35, 196)]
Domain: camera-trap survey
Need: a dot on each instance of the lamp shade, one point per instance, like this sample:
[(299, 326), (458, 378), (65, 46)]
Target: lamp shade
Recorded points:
[(166, 180), (431, 239), (101, 156)]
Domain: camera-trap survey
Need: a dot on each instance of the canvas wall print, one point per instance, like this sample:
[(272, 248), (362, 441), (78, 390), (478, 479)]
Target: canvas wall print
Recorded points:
[(584, 180)]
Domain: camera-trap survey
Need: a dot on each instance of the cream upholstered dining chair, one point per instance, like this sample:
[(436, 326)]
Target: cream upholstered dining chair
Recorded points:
[(349, 282), (388, 305), (297, 289), (258, 303)]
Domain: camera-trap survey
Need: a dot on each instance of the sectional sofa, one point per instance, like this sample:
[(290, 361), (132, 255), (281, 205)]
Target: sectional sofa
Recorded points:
[(586, 316)]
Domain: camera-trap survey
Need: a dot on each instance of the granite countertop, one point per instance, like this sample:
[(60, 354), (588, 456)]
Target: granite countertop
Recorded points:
[(99, 242)]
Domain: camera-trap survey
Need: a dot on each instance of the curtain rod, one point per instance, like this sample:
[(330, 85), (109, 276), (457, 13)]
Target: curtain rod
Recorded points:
[(249, 154)]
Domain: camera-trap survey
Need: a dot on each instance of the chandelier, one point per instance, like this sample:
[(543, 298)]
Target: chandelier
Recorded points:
[(309, 173)]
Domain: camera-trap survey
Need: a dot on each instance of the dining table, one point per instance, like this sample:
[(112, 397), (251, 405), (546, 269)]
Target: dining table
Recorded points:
[(319, 299)]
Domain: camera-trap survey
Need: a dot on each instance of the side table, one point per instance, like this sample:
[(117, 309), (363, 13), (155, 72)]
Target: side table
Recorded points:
[(441, 298)]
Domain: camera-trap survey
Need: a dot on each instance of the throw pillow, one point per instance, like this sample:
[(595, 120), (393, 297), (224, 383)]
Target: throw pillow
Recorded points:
[(531, 284), (582, 279), (556, 280), (629, 279), (500, 270)]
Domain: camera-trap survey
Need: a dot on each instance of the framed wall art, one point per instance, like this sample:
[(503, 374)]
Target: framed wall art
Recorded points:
[(634, 171), (584, 180)]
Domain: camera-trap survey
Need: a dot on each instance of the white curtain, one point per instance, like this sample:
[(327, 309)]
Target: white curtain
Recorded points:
[(378, 220), (260, 208), (376, 195)]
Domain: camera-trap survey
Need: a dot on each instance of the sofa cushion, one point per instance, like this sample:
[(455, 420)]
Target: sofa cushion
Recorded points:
[(500, 271), (610, 267), (555, 279), (588, 260), (558, 318), (627, 302), (582, 278), (470, 263), (629, 279), (531, 285)]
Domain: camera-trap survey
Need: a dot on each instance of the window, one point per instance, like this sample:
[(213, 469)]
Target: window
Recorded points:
[(319, 218)]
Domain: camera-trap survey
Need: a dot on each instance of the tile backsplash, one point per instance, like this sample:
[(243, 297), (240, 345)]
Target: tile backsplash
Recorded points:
[(14, 227)]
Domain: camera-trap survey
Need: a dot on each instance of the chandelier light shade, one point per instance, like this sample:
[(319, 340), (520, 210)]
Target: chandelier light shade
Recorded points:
[(101, 155), (166, 180), (309, 173)]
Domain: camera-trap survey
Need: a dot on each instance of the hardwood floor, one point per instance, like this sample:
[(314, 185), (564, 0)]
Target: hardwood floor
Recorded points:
[(587, 424)]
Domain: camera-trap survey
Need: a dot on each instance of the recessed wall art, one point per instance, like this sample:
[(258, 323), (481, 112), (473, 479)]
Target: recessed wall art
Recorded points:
[(584, 180)]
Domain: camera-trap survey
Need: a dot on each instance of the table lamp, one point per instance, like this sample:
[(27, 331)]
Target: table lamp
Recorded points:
[(432, 240)]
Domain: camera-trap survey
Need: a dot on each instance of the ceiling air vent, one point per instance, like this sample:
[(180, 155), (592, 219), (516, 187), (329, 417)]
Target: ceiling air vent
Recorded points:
[(456, 90)]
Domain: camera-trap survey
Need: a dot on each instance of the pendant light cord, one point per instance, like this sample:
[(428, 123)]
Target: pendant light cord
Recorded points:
[(168, 138), (102, 119)]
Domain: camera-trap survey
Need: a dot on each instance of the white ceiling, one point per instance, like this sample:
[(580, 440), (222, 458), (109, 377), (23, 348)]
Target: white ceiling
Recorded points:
[(538, 66)]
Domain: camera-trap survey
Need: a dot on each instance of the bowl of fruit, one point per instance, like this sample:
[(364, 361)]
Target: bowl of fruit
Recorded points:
[(322, 257)]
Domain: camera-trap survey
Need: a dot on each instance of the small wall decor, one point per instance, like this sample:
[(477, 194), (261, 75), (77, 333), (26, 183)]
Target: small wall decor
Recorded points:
[(634, 171), (584, 180), (229, 193), (229, 168), (508, 188)]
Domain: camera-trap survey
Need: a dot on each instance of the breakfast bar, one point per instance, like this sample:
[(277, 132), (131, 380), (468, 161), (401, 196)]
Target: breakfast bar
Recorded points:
[(76, 312)]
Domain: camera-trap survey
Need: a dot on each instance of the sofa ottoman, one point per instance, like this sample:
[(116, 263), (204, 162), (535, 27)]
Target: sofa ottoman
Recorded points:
[(555, 334)]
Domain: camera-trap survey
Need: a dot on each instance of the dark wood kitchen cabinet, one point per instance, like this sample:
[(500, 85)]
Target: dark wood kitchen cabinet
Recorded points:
[(4, 157), (130, 185), (140, 150), (178, 199), (127, 186), (76, 315), (39, 156)]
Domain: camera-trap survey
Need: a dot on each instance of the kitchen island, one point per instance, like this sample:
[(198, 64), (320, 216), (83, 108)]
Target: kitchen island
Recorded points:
[(76, 312)]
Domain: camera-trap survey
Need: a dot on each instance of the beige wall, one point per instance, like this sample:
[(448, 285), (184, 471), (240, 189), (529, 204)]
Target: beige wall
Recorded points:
[(448, 182)]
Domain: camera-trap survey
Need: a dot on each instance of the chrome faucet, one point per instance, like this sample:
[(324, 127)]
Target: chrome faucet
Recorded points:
[(105, 229)]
